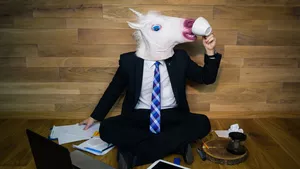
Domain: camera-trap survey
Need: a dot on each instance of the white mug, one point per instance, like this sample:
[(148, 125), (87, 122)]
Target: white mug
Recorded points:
[(201, 27)]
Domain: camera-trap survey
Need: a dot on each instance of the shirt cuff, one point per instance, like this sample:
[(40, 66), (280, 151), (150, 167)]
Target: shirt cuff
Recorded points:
[(211, 56)]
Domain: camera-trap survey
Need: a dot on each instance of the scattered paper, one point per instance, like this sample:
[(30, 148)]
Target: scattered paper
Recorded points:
[(225, 133), (235, 128), (222, 133), (68, 138), (72, 133), (95, 146)]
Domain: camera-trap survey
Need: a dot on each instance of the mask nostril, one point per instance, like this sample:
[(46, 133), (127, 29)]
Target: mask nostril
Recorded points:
[(189, 23)]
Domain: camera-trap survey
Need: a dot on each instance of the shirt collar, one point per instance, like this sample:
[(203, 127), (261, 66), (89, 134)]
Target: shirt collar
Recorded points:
[(151, 63)]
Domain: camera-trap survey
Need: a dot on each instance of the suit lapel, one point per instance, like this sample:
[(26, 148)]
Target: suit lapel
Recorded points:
[(139, 66), (171, 66)]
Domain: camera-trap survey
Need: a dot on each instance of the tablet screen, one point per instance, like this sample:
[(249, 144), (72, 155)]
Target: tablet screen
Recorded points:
[(162, 165)]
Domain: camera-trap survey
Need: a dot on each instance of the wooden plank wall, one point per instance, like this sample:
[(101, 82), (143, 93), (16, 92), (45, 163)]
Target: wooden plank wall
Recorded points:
[(57, 57)]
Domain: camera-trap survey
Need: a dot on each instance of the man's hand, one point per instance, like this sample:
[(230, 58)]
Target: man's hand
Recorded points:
[(209, 42), (88, 122)]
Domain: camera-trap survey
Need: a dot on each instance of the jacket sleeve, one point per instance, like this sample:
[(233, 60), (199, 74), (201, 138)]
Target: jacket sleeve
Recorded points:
[(206, 74), (112, 93)]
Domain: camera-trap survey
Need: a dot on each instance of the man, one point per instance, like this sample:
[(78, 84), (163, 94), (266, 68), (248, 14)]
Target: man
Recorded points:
[(155, 120)]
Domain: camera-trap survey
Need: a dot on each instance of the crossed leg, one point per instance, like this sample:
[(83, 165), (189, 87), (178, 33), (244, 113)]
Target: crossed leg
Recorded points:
[(133, 135)]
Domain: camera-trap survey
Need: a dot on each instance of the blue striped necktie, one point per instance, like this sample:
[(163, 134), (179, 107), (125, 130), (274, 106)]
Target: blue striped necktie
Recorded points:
[(155, 105)]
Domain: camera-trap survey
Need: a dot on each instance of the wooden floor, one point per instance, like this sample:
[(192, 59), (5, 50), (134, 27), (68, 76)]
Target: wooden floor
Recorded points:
[(272, 143)]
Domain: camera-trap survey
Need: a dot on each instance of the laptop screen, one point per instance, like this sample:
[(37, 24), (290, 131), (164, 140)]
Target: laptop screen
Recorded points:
[(47, 154)]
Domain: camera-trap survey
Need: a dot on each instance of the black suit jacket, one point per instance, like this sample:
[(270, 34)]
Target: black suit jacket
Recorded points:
[(130, 73)]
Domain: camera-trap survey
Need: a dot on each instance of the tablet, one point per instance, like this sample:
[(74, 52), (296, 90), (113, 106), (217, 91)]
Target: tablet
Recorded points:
[(161, 164)]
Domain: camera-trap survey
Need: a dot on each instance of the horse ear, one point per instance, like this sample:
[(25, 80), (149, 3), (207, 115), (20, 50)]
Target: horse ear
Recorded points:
[(136, 12), (134, 25)]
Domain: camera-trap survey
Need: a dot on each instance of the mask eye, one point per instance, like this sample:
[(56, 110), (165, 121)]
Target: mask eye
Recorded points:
[(156, 27)]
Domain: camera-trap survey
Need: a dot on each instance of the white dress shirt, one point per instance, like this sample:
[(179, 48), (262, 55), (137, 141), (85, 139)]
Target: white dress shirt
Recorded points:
[(166, 91)]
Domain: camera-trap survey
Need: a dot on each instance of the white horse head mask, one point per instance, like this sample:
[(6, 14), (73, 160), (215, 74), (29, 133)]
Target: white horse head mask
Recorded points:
[(157, 35)]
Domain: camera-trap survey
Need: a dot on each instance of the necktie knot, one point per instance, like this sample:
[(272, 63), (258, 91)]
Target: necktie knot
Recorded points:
[(157, 63)]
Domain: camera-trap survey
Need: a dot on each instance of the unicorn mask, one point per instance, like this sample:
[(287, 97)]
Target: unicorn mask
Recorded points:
[(157, 35)]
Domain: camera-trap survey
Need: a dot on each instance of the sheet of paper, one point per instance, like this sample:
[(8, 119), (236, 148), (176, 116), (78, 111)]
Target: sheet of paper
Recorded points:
[(222, 133), (94, 143), (72, 133), (225, 133), (69, 138), (78, 130)]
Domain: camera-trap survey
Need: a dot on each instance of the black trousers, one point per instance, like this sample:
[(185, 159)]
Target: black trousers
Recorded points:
[(132, 134)]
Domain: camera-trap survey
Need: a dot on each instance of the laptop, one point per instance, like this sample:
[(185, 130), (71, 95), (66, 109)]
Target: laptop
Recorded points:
[(49, 155)]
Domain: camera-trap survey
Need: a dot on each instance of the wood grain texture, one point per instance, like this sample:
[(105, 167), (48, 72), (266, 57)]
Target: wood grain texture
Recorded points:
[(84, 98), (83, 107), (262, 51), (269, 75), (90, 74), (53, 4), (13, 62), (230, 75), (12, 8), (270, 63), (199, 107), (283, 109), (46, 115), (226, 37), (239, 24), (59, 88), (38, 36), (39, 23), (72, 62), (33, 99), (279, 131), (85, 12), (284, 25), (29, 74), (95, 23), (12, 146), (283, 98), (280, 3), (246, 12), (50, 98), (121, 12), (105, 36), (291, 87), (113, 51), (18, 50), (27, 107), (271, 38), (74, 107), (265, 88), (6, 22), (228, 97), (92, 88), (248, 2), (292, 2), (232, 63), (45, 88), (155, 2)]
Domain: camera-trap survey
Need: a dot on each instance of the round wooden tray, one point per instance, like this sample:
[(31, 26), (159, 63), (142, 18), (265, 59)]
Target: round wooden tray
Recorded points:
[(217, 153)]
